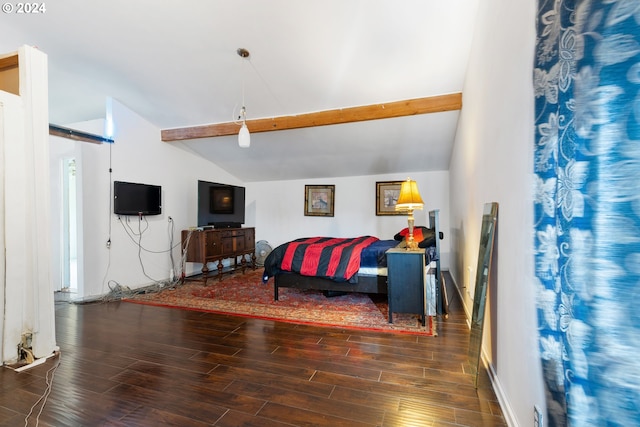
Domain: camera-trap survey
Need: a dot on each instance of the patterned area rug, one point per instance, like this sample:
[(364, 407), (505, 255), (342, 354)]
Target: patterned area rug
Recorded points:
[(246, 295)]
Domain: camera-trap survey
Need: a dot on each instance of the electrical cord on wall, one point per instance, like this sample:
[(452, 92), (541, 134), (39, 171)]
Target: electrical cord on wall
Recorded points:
[(106, 272), (134, 236), (110, 195), (171, 231), (117, 292), (183, 256), (140, 232)]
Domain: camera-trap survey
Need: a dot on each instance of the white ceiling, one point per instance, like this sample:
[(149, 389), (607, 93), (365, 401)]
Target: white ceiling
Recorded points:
[(175, 63)]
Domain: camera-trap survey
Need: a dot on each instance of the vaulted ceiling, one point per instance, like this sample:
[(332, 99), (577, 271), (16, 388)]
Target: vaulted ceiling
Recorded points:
[(176, 64)]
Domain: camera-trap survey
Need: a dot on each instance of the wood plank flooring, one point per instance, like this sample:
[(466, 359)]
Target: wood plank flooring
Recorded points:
[(124, 364)]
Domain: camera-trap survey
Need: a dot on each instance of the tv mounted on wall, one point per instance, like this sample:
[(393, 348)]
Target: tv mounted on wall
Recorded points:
[(130, 198), (220, 205)]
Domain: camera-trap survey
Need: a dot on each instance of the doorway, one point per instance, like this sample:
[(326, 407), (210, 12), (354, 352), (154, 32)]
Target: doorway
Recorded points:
[(70, 227)]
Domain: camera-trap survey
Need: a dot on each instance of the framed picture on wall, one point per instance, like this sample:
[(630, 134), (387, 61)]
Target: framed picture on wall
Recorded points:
[(319, 200), (387, 193)]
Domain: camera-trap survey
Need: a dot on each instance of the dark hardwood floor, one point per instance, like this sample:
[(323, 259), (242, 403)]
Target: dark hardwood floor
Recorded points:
[(124, 364)]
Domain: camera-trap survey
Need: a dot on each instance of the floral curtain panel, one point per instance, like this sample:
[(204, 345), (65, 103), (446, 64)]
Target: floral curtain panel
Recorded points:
[(587, 209)]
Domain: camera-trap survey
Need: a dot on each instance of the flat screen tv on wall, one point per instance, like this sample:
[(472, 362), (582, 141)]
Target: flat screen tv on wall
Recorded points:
[(130, 198), (220, 205)]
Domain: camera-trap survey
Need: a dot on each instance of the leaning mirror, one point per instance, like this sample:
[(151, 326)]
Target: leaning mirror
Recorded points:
[(489, 221)]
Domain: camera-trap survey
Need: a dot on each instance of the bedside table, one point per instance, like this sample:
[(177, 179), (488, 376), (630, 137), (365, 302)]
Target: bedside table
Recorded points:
[(405, 282)]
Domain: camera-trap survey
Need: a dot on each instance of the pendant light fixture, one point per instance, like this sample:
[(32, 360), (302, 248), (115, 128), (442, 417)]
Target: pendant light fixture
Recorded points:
[(244, 137)]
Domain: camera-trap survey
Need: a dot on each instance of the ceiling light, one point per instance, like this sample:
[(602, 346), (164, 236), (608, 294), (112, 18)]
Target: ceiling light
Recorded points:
[(244, 138)]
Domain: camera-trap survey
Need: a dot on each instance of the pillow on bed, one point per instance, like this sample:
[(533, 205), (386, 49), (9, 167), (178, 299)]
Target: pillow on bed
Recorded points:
[(426, 237)]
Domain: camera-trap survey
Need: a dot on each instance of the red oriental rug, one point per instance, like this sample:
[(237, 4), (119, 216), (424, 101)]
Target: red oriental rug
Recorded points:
[(245, 295)]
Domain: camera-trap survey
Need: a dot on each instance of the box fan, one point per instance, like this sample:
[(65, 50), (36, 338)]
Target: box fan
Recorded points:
[(263, 249)]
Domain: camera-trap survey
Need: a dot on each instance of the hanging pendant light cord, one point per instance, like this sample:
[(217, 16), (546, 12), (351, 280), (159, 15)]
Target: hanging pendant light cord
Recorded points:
[(244, 136), (243, 110)]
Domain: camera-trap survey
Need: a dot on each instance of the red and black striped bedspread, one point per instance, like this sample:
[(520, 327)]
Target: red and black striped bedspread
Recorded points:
[(328, 257)]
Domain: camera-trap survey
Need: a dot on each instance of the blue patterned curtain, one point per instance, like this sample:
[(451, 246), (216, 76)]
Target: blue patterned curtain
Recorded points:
[(587, 209)]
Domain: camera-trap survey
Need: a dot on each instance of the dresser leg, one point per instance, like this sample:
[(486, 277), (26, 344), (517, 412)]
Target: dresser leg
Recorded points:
[(205, 274)]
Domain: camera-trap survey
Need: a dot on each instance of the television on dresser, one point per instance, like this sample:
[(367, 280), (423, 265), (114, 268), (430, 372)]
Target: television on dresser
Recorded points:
[(220, 205), (130, 198)]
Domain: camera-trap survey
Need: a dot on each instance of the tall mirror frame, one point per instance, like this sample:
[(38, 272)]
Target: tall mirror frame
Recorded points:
[(483, 271)]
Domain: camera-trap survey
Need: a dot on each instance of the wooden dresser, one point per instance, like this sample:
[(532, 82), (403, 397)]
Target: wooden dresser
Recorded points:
[(206, 246)]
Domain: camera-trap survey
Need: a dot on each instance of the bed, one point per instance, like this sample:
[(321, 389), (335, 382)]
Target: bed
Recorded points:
[(358, 265)]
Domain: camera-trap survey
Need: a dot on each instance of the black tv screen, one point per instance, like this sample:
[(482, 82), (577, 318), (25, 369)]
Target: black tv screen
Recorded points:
[(220, 205), (221, 200), (130, 198)]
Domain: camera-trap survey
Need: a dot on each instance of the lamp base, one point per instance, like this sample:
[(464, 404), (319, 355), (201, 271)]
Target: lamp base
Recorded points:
[(412, 245)]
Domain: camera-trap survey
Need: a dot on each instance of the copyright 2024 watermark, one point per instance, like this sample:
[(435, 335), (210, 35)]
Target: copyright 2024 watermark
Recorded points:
[(24, 8)]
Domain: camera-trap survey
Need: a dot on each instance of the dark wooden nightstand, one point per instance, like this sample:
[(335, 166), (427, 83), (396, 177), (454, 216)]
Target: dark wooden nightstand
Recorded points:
[(405, 277)]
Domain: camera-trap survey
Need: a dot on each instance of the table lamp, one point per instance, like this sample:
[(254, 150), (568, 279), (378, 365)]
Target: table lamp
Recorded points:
[(409, 200)]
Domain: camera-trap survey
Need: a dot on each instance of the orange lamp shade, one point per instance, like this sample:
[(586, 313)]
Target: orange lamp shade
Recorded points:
[(409, 198)]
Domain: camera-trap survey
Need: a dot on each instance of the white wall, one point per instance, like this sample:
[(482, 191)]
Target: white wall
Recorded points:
[(277, 208), (493, 162), (138, 155)]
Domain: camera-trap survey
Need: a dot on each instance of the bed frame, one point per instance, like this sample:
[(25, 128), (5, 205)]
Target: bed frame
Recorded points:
[(365, 284)]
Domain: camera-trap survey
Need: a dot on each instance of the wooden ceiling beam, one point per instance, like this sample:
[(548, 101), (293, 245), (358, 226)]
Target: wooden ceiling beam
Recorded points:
[(9, 62), (409, 107)]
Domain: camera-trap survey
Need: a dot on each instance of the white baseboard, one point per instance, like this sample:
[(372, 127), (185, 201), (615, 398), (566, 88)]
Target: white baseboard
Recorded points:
[(507, 411), (505, 406)]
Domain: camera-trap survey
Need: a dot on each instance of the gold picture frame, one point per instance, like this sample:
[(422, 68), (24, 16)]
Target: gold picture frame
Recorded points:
[(387, 193), (319, 200)]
